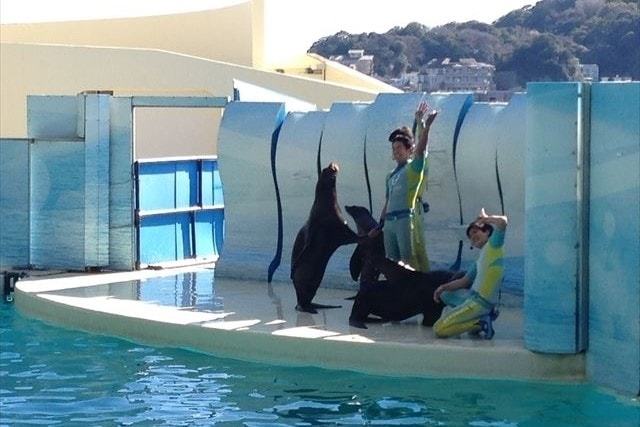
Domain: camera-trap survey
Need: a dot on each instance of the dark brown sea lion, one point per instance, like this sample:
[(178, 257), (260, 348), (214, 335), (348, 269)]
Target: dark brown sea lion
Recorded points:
[(323, 233), (405, 292), (361, 265)]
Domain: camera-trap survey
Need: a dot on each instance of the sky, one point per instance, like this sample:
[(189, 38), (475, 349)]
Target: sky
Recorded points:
[(351, 15), (323, 17)]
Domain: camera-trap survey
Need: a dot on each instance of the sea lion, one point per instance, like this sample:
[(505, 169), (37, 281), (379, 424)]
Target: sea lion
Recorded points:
[(361, 264), (323, 233), (404, 293)]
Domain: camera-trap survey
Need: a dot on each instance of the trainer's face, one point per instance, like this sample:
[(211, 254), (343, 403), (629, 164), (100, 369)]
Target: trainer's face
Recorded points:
[(478, 237), (400, 152)]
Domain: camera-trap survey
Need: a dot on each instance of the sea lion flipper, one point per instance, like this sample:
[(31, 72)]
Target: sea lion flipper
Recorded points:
[(299, 247), (346, 235), (355, 263), (357, 324), (314, 305), (306, 309)]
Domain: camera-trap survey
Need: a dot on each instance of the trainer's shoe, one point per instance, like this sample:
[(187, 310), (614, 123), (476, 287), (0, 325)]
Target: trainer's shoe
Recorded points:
[(486, 327)]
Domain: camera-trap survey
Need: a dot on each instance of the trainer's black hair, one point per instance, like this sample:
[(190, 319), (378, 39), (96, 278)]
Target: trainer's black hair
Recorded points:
[(484, 227), (403, 135)]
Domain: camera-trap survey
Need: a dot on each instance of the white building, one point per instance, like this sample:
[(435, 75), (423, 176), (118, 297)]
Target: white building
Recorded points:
[(465, 75), (590, 72), (357, 60)]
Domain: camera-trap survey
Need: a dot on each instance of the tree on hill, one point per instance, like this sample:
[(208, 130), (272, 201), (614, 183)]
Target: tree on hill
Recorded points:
[(604, 32), (553, 60)]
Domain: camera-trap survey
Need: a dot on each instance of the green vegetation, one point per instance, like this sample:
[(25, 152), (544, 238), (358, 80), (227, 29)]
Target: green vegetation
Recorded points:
[(541, 42)]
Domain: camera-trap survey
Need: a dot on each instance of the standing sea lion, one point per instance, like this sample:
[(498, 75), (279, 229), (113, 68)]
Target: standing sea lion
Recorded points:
[(323, 233), (361, 265)]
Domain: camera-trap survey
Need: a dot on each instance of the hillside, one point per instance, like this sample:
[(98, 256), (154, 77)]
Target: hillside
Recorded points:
[(545, 41)]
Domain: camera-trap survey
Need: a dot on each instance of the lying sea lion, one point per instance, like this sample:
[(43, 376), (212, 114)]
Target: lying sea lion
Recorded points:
[(323, 233), (405, 292)]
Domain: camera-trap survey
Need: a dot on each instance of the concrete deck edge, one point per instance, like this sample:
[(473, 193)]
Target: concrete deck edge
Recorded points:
[(378, 358)]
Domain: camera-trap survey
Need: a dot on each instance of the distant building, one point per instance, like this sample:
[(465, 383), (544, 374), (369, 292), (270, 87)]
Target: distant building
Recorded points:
[(590, 72), (408, 82), (465, 75), (617, 78), (357, 60)]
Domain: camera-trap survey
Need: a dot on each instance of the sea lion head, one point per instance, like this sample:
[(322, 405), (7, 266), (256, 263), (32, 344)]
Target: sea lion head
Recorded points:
[(362, 217), (327, 179)]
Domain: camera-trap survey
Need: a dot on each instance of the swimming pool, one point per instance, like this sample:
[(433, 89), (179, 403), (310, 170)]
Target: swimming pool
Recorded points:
[(54, 376)]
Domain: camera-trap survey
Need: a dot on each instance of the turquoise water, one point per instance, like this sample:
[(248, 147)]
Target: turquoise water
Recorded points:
[(53, 376)]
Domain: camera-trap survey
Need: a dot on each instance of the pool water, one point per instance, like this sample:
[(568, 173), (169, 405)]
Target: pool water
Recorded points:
[(54, 376)]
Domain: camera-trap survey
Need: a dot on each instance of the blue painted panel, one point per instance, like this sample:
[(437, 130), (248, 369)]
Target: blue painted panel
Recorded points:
[(58, 204), (205, 236), (613, 358), (211, 184), (158, 239), (244, 148), (297, 172), (157, 183), (207, 177), (476, 167), (550, 299), (121, 187), (218, 230), (186, 184), (510, 142), (14, 203), (184, 244), (218, 195), (96, 130)]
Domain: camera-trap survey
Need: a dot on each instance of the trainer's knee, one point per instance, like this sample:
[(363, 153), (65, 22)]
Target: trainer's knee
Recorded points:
[(439, 329)]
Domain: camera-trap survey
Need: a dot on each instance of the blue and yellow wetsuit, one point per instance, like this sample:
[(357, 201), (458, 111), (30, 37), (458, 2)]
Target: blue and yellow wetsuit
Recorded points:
[(403, 227), (475, 303)]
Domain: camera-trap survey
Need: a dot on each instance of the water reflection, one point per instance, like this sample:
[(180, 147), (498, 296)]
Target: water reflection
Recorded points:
[(192, 290)]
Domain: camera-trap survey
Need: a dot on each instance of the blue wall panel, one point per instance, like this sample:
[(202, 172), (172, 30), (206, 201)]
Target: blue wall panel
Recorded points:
[(218, 195), (159, 236), (58, 204), (211, 184), (121, 187), (14, 203), (206, 233), (297, 173), (476, 167), (186, 189), (157, 183), (551, 269), (184, 244), (245, 139), (510, 137), (96, 144), (343, 140), (209, 227), (614, 253), (174, 185)]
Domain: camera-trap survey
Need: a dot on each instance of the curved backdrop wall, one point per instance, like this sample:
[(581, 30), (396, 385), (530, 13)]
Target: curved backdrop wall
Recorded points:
[(270, 157)]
